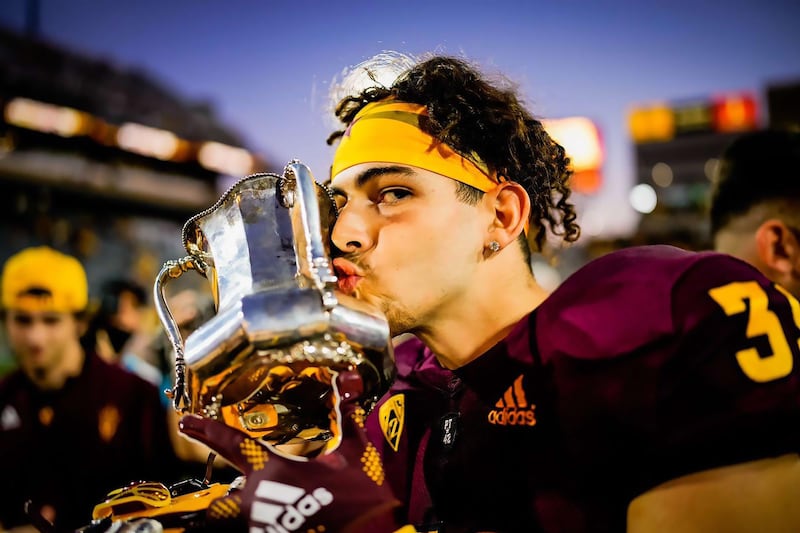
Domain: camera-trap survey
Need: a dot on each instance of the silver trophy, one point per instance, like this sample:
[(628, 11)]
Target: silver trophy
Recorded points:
[(264, 362)]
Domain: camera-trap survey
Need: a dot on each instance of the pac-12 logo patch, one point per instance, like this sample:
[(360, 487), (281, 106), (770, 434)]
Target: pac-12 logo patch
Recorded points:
[(391, 416)]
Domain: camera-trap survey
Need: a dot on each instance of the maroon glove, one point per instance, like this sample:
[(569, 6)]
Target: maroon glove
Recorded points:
[(342, 490)]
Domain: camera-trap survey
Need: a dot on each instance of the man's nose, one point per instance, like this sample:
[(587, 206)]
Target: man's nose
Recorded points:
[(351, 231), (36, 333)]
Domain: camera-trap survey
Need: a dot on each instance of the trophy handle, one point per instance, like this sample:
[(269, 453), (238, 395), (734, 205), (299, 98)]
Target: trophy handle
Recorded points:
[(174, 269), (315, 255)]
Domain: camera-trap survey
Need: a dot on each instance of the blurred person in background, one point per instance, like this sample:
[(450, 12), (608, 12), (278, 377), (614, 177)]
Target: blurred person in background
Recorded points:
[(120, 330), (755, 204), (190, 308), (655, 389), (72, 426), (123, 331)]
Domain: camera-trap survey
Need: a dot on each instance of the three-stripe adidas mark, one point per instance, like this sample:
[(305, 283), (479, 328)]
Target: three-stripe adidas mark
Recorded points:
[(513, 408), (283, 508)]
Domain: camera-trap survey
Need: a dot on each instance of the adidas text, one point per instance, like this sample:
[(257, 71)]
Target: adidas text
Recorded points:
[(512, 417), (285, 508)]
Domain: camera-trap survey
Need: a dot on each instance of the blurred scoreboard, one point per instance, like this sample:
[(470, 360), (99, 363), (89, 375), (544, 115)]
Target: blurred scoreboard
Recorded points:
[(677, 145), (661, 123)]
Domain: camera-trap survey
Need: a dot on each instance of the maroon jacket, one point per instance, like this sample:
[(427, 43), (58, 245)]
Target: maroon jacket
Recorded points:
[(646, 364), (69, 448)]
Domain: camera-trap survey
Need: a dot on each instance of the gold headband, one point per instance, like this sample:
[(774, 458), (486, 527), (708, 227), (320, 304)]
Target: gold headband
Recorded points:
[(388, 131)]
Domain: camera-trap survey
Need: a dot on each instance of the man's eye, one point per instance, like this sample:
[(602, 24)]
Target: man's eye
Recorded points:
[(393, 195), (340, 200), (23, 320)]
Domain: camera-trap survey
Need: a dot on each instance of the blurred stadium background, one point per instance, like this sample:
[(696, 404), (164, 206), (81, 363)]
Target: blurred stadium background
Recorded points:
[(100, 160)]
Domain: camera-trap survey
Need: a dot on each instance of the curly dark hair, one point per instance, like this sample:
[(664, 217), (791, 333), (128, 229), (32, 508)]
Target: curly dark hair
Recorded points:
[(472, 116)]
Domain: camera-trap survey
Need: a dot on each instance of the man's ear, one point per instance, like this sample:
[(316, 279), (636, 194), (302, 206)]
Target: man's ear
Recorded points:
[(778, 247), (512, 208)]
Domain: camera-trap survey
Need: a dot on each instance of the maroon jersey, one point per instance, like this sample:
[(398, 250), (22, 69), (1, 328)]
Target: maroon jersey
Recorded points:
[(67, 449), (646, 364)]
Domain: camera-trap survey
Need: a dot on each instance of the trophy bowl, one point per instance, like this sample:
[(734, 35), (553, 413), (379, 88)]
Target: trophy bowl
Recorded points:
[(282, 333)]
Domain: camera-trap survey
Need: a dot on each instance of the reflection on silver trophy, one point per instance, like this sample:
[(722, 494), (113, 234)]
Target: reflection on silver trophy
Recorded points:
[(265, 361)]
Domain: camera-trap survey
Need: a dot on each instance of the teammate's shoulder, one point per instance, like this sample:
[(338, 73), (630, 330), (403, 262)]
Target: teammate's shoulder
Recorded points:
[(625, 274), (654, 268), (645, 261), (624, 300)]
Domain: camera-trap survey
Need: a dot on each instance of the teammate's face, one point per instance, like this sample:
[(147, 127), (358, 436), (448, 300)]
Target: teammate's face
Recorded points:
[(41, 339), (129, 315), (408, 245)]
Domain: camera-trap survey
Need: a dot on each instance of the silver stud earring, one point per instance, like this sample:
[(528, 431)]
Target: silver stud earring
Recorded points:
[(494, 246)]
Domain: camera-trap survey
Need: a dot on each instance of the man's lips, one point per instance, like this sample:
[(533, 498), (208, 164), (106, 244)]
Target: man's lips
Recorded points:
[(348, 284), (348, 274)]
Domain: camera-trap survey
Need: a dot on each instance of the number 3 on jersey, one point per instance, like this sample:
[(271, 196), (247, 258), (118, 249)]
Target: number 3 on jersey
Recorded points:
[(760, 321)]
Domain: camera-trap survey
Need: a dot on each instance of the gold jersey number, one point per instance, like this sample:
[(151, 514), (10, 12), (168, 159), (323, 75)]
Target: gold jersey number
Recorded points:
[(760, 321)]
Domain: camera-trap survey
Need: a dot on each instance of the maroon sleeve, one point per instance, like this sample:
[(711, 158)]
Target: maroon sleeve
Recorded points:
[(730, 390), (667, 362)]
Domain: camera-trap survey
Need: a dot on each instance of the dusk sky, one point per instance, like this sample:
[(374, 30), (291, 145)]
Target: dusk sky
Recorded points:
[(266, 66)]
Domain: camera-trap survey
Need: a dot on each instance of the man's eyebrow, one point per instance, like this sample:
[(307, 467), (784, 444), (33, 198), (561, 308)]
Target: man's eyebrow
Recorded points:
[(373, 173)]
